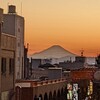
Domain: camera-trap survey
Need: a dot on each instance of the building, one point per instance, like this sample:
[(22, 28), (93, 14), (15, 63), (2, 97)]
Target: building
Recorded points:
[(7, 63), (14, 25), (77, 64), (27, 68), (41, 90), (96, 84), (98, 61), (11, 52), (54, 73), (35, 63), (84, 78), (1, 16)]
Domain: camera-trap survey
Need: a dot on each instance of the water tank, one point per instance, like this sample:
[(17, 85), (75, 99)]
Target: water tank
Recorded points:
[(12, 9)]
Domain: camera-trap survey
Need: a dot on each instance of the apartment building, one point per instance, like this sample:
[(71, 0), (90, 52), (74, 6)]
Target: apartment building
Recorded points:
[(14, 25), (7, 63), (11, 51), (1, 15)]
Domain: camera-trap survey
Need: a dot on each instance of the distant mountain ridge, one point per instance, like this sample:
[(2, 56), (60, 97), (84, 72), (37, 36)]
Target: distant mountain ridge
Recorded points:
[(54, 51)]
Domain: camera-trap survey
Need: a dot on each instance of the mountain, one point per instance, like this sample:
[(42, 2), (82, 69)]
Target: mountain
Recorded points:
[(55, 51)]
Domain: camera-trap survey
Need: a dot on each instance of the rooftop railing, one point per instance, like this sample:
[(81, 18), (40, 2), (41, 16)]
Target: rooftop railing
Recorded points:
[(40, 83)]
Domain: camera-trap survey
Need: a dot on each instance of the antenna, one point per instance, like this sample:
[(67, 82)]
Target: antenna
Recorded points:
[(21, 8), (8, 6)]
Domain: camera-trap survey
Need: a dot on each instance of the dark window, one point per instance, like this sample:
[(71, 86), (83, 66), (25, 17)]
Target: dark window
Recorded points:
[(3, 65), (18, 44), (18, 29), (11, 65), (0, 28)]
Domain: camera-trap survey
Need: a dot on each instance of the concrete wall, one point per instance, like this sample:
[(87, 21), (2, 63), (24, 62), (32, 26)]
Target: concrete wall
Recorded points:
[(35, 63), (1, 18), (9, 24), (8, 42), (48, 88), (14, 25), (71, 65), (37, 73), (7, 51), (7, 79), (19, 47), (30, 89), (54, 73)]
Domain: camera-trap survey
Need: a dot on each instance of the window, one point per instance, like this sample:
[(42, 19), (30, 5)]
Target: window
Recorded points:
[(18, 44), (18, 29), (0, 28), (3, 65), (11, 65)]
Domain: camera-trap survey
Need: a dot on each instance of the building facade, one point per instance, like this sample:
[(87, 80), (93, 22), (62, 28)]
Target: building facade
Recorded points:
[(11, 52), (7, 63), (42, 90), (7, 66), (1, 19), (14, 25)]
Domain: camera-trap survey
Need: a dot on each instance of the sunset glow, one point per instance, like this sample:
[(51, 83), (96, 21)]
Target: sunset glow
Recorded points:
[(72, 24)]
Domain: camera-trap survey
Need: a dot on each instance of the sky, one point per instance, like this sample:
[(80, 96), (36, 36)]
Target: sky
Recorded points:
[(72, 24)]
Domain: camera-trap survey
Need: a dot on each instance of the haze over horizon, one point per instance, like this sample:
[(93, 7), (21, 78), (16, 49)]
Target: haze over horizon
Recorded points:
[(52, 51), (72, 24)]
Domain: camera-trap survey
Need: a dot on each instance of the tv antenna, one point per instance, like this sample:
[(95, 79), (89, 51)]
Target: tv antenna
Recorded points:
[(21, 8)]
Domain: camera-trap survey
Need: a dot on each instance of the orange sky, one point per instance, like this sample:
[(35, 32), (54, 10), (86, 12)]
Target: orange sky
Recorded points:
[(73, 24)]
